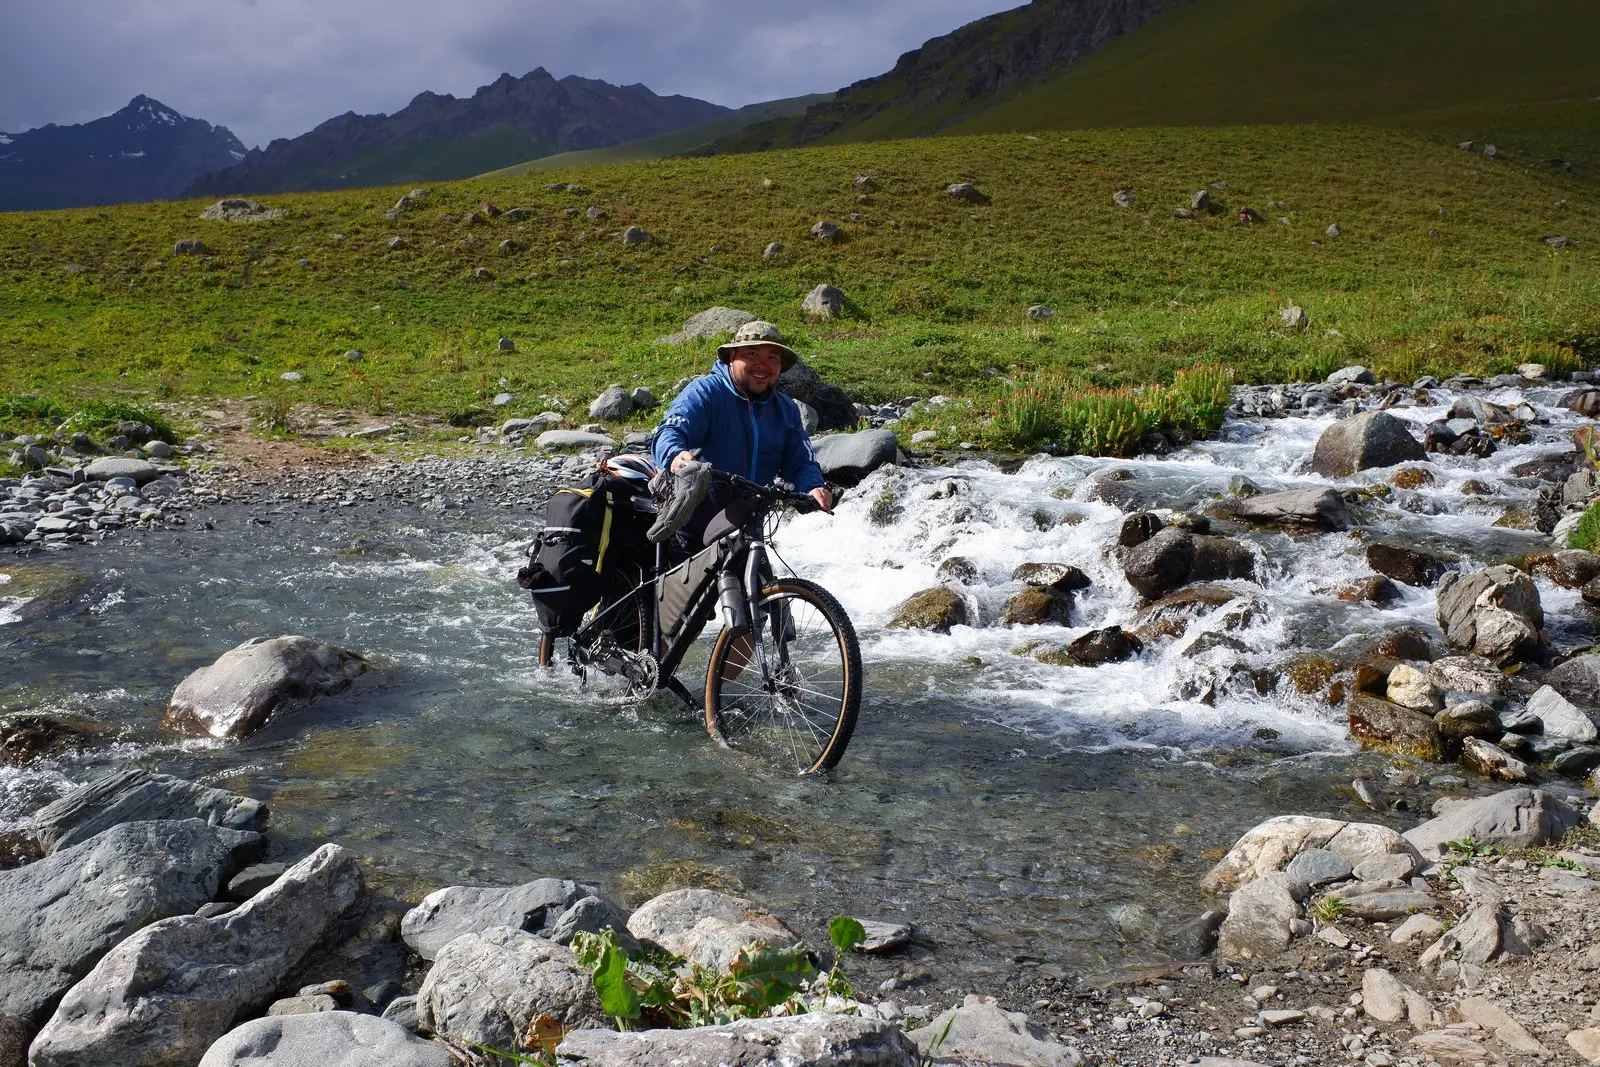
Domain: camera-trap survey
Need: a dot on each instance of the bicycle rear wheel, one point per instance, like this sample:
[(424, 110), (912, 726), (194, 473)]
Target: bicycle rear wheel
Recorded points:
[(801, 714)]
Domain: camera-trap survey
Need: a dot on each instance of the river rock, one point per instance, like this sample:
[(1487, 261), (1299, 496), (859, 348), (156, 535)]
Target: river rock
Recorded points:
[(1056, 577), (137, 795), (1387, 727), (1570, 568), (815, 1038), (1406, 564), (1312, 509), (108, 467), (1271, 845), (1578, 679), (822, 304), (1110, 645), (712, 322), (1375, 439), (1491, 761), (1470, 718), (1036, 607), (1494, 613), (235, 696), (165, 994), (1389, 1000), (1317, 866), (1410, 688), (835, 410), (564, 440), (612, 405), (1515, 818), (1175, 557), (591, 915), (62, 913), (1561, 718), (327, 1039), (981, 1032), (28, 737), (707, 927), (846, 458), (936, 609), (1376, 902), (1261, 917), (1467, 674), (1139, 528), (487, 988), (446, 914)]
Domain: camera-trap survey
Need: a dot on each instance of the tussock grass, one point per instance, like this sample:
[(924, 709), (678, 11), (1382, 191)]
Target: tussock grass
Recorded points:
[(96, 304)]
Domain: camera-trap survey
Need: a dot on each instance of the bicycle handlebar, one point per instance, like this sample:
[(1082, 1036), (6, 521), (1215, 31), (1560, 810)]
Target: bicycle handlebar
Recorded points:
[(804, 503)]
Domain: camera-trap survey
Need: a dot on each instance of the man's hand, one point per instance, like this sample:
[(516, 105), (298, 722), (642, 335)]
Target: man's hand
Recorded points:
[(682, 460), (823, 498)]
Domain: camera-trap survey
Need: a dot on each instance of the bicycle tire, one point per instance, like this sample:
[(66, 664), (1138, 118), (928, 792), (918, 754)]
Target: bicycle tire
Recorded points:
[(547, 648), (803, 721)]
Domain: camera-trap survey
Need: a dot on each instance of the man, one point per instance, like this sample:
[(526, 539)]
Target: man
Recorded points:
[(739, 422)]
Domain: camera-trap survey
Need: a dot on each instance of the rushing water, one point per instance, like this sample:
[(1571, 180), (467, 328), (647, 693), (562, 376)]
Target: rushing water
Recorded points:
[(1018, 813)]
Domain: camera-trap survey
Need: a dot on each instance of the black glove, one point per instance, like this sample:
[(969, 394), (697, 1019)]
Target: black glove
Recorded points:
[(679, 493)]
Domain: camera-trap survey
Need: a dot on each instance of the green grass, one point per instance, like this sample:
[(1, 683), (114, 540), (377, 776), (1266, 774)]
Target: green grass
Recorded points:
[(1586, 535), (667, 144), (94, 303)]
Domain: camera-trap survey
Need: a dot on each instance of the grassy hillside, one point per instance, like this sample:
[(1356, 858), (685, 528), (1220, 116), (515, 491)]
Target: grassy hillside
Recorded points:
[(1440, 266), (424, 161), (668, 144), (1471, 67)]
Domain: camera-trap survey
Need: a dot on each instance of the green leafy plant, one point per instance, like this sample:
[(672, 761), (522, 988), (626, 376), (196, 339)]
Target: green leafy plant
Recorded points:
[(1562, 863), (1586, 535), (1329, 908)]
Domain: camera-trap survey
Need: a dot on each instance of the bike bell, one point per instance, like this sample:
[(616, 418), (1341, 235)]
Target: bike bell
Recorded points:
[(732, 598)]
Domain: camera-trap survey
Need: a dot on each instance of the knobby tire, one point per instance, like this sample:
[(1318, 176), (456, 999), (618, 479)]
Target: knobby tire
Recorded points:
[(804, 718)]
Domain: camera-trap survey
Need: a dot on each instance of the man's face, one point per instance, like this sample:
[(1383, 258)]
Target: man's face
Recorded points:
[(755, 369)]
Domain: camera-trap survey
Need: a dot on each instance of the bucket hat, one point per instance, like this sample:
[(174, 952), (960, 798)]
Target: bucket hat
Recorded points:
[(753, 334)]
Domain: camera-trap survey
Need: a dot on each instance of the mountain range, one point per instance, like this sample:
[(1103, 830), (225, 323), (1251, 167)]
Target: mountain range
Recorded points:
[(438, 137), (146, 151)]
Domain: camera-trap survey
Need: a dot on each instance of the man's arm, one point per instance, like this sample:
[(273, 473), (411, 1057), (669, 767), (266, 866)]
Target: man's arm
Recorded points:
[(800, 466), (685, 425)]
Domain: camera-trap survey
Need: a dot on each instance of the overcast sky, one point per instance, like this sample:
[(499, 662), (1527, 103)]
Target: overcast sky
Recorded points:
[(276, 68)]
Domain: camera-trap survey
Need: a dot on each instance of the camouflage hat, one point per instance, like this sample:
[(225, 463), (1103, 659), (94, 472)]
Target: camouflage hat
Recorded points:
[(753, 334)]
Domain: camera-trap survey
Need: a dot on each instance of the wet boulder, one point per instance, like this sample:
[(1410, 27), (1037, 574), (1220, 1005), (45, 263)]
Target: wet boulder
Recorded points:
[(846, 458), (980, 1031), (957, 569), (1376, 589), (1388, 727), (1570, 568), (27, 737), (1375, 439), (1494, 613), (707, 927), (331, 1038), (1034, 607), (1491, 761), (1175, 557), (1515, 818), (137, 795), (1110, 645), (235, 696), (142, 1005), (488, 987), (62, 913), (1409, 688), (1138, 528), (446, 914), (1405, 564), (1304, 509), (936, 609), (1470, 718), (1578, 679), (1467, 674), (818, 1038), (1559, 717), (1057, 577)]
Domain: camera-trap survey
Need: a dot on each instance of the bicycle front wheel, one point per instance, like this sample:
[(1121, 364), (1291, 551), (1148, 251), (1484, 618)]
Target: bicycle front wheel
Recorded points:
[(788, 691)]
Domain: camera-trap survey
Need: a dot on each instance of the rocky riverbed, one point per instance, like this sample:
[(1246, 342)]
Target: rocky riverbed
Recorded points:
[(1219, 624)]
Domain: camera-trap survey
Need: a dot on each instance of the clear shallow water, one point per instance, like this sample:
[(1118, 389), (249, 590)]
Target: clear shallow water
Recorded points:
[(1018, 813)]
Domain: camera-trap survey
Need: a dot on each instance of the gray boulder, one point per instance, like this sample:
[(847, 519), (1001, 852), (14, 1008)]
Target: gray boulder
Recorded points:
[(712, 322), (846, 458), (613, 405), (965, 191), (825, 231), (707, 927), (1318, 866), (559, 440), (107, 467), (1375, 439), (1352, 375), (1578, 679), (1467, 674), (835, 410), (1494, 613), (822, 304), (190, 246), (636, 235), (937, 609), (1260, 918), (1515, 818), (327, 1039), (816, 1038), (1317, 509), (166, 994), (1271, 845), (137, 795), (1388, 727), (981, 1032), (1174, 557), (773, 250), (446, 914), (1561, 718), (643, 399), (64, 912), (235, 696), (486, 988)]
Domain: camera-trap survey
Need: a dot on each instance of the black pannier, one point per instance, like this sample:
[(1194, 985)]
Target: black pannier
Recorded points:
[(591, 534), (678, 590)]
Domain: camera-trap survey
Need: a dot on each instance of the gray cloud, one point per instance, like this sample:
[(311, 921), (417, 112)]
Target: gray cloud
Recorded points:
[(275, 68)]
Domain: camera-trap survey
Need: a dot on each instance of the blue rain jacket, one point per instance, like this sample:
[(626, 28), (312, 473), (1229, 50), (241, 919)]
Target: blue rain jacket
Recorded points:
[(758, 439)]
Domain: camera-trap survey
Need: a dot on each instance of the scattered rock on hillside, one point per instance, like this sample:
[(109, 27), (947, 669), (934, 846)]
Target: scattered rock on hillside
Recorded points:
[(772, 251), (396, 243), (635, 235), (1123, 198), (239, 210), (712, 322), (1333, 232), (235, 696), (1200, 202), (965, 191), (822, 304), (1040, 311), (1374, 439), (1352, 375), (835, 410), (613, 405), (1294, 318), (562, 440), (190, 246), (825, 231)]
